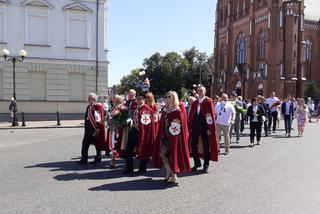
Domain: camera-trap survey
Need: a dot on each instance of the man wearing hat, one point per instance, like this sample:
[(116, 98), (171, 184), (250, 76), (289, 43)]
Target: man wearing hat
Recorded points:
[(140, 137)]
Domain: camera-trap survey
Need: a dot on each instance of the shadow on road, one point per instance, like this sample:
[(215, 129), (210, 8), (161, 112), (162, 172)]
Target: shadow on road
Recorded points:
[(146, 184), (68, 166), (239, 146), (284, 136)]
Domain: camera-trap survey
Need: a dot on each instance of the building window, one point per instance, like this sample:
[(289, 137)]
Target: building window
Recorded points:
[(3, 16), (282, 74), (308, 50), (262, 45), (37, 85), (241, 49), (37, 18), (78, 25), (77, 87), (307, 57)]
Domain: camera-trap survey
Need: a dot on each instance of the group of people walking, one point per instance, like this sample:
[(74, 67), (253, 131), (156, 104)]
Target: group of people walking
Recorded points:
[(168, 135)]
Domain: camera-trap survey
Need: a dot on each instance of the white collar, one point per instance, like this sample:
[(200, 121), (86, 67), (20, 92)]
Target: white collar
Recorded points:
[(201, 99)]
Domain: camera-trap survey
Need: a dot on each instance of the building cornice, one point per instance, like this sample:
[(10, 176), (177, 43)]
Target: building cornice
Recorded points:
[(37, 3)]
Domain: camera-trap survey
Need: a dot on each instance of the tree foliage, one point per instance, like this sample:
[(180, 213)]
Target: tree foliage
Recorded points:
[(173, 71), (312, 90)]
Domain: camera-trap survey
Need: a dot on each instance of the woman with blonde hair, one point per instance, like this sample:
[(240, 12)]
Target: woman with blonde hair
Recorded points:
[(115, 130), (171, 145), (302, 116), (150, 101)]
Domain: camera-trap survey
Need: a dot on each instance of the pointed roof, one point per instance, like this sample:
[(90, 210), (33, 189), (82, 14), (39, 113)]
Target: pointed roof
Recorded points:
[(5, 2), (77, 6), (39, 3)]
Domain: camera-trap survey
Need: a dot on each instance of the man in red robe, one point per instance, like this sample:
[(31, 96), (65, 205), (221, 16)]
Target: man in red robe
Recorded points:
[(202, 123), (95, 130), (140, 137)]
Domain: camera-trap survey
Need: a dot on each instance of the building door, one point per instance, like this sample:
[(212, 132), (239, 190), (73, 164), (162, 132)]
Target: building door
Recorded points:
[(260, 89), (238, 88)]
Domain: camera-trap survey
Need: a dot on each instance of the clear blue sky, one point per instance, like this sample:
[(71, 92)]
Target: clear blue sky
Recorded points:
[(139, 28)]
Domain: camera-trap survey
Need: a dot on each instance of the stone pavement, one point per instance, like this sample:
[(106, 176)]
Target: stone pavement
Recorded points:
[(44, 124), (39, 174)]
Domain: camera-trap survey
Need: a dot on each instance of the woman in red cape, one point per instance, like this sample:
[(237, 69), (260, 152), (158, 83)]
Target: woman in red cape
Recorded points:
[(152, 104), (171, 146)]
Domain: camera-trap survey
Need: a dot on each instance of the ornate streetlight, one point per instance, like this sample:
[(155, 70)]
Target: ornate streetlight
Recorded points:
[(14, 59)]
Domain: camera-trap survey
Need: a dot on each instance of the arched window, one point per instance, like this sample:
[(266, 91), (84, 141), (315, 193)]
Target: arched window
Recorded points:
[(242, 49), (308, 50), (262, 45)]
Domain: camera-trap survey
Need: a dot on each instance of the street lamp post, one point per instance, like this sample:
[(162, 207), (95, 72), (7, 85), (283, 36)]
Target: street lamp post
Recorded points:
[(14, 59)]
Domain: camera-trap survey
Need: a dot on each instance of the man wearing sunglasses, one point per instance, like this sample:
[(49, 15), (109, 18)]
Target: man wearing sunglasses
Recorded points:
[(202, 123)]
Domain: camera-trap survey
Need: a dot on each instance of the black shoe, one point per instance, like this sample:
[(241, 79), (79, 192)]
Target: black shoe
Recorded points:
[(127, 171), (140, 172), (195, 168), (82, 162), (289, 135), (96, 160), (205, 169)]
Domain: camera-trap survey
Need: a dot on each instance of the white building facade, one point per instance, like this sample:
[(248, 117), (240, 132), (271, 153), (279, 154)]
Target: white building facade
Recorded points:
[(67, 54)]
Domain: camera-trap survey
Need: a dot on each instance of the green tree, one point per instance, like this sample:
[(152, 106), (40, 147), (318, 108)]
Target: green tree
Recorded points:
[(128, 82), (312, 90), (171, 72), (199, 71)]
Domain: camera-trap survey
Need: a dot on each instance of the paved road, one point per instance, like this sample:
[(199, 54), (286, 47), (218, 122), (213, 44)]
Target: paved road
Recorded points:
[(38, 174)]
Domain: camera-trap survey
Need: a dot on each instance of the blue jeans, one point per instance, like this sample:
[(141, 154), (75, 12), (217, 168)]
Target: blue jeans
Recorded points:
[(287, 123)]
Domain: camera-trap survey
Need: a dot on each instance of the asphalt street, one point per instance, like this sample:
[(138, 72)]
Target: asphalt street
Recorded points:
[(39, 174)]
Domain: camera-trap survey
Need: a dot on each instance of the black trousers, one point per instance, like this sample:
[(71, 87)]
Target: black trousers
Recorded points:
[(287, 123), (255, 129), (265, 126), (196, 132), (133, 139), (242, 124), (273, 120), (87, 140)]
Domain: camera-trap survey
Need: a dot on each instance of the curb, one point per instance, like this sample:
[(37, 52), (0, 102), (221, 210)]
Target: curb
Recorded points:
[(40, 127)]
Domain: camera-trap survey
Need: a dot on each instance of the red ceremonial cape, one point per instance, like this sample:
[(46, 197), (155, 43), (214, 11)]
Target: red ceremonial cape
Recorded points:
[(156, 119), (208, 112), (97, 121), (179, 149), (146, 130)]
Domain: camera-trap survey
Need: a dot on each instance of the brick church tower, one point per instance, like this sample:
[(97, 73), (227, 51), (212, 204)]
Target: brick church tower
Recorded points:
[(263, 46)]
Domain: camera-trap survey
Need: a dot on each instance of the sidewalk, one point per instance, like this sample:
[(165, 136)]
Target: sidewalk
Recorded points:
[(44, 124)]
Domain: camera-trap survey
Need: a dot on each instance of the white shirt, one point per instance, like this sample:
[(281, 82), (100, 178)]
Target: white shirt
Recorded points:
[(225, 113), (270, 101), (200, 101), (255, 109), (288, 108)]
